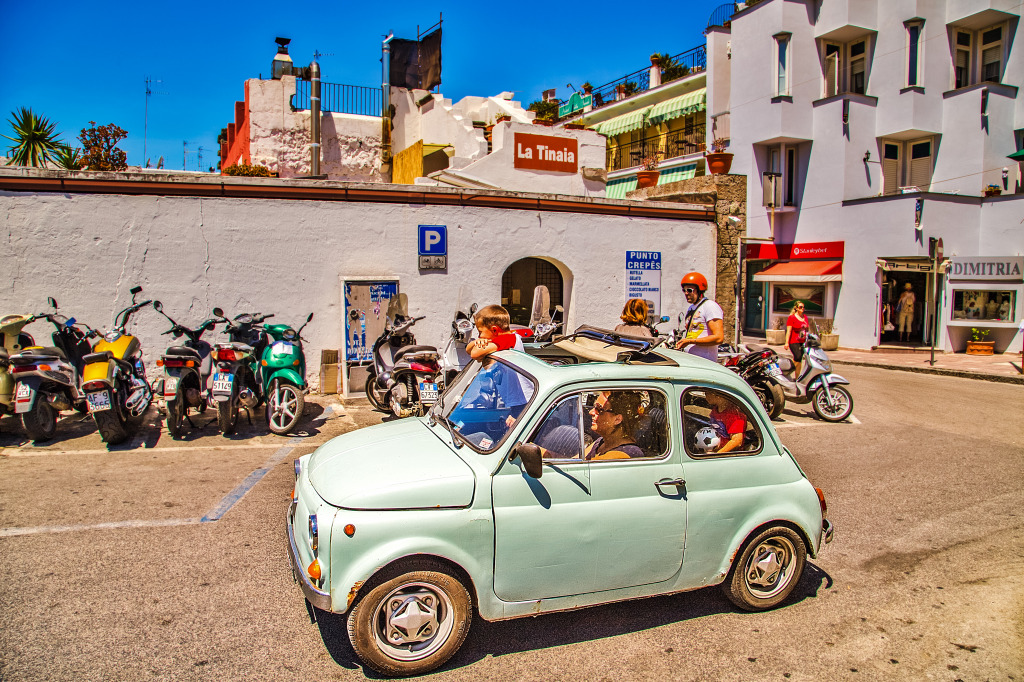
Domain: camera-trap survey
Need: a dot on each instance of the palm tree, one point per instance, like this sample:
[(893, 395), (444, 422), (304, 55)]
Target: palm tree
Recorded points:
[(68, 157), (35, 142)]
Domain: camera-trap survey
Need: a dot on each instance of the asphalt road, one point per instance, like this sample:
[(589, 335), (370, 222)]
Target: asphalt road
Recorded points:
[(167, 560)]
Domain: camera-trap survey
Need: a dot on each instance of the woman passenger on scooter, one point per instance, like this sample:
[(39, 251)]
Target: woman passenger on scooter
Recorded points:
[(796, 332)]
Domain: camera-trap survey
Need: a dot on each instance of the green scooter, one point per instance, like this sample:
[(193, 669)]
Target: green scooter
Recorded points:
[(283, 373)]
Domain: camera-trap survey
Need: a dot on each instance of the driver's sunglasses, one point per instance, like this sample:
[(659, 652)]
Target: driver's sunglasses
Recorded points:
[(596, 409), (690, 290)]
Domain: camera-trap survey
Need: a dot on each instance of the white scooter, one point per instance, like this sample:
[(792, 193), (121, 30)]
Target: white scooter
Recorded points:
[(456, 354)]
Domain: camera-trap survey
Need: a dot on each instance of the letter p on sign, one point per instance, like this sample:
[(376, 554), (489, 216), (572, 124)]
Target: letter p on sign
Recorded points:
[(433, 240)]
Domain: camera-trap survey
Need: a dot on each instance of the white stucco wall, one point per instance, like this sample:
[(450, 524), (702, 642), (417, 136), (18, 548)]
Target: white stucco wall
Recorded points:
[(279, 138), (286, 257)]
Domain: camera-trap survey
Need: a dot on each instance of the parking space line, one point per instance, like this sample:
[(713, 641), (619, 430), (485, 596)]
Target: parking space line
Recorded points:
[(36, 530), (786, 424)]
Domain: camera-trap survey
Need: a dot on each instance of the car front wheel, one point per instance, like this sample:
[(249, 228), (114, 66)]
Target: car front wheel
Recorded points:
[(767, 570), (411, 624)]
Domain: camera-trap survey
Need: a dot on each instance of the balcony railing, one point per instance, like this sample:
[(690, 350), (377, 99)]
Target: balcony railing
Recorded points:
[(340, 99), (689, 140), (693, 61)]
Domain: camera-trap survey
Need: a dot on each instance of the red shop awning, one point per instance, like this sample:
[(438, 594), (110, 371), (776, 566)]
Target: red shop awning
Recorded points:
[(803, 271)]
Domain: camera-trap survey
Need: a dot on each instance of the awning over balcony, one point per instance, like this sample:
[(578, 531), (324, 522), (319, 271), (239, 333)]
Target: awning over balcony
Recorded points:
[(678, 106), (803, 271), (678, 173), (623, 124), (617, 188)]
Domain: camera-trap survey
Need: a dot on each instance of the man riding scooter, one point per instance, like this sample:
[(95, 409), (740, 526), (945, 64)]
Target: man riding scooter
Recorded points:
[(704, 327)]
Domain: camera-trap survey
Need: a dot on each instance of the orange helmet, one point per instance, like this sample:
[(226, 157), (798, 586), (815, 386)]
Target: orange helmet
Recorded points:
[(695, 278)]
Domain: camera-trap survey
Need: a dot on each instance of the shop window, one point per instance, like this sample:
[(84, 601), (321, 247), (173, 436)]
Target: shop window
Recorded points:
[(715, 424), (605, 425), (997, 306), (785, 296)]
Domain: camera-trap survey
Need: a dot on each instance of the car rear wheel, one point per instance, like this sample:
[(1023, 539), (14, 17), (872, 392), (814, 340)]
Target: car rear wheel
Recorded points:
[(411, 624), (767, 570)]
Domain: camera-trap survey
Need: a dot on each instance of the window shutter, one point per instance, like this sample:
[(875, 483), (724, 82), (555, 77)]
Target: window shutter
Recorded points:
[(891, 169), (990, 58), (963, 68), (921, 166), (831, 75)]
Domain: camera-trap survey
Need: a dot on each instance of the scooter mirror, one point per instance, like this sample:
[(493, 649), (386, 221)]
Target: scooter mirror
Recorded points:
[(218, 312), (52, 301), (158, 306), (472, 309), (309, 318), (135, 290), (681, 318)]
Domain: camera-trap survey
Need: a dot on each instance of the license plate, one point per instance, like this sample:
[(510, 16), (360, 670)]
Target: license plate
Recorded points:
[(428, 392), (222, 382), (773, 370), (24, 391), (170, 385), (98, 401)]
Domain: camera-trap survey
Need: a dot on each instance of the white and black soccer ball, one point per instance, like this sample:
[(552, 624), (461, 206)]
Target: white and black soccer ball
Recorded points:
[(707, 440)]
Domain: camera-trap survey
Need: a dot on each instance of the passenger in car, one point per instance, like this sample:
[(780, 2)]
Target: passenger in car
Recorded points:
[(728, 421), (614, 418)]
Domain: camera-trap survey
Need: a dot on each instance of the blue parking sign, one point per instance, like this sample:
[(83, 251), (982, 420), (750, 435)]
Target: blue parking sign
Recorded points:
[(433, 240)]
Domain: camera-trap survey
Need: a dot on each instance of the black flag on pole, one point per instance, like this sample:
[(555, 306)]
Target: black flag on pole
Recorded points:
[(416, 65)]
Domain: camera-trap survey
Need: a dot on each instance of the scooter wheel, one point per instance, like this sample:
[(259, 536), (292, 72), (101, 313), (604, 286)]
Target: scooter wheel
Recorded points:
[(41, 421), (227, 417), (842, 403), (284, 407), (175, 417), (375, 395)]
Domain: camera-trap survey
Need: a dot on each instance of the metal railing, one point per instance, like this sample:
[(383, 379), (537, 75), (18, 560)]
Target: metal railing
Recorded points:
[(676, 143), (340, 99), (721, 15), (693, 60)]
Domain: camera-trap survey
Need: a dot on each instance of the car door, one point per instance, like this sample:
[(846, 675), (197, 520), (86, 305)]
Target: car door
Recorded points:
[(590, 525)]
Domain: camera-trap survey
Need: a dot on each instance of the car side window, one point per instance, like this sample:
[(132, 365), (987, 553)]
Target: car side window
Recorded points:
[(559, 433), (715, 424)]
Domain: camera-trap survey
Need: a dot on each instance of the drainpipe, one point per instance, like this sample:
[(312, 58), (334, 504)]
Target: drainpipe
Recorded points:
[(314, 112), (385, 114)]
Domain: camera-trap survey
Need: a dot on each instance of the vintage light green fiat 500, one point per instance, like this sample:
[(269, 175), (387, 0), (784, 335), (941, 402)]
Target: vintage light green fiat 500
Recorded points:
[(610, 471)]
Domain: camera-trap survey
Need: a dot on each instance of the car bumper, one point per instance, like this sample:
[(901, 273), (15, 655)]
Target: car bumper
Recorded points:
[(827, 531), (316, 597)]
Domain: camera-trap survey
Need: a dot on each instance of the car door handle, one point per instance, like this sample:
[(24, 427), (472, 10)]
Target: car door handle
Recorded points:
[(678, 482)]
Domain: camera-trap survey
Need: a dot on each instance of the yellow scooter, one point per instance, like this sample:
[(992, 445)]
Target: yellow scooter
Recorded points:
[(114, 379)]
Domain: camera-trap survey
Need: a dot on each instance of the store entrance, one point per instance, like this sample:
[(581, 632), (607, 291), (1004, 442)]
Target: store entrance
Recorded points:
[(904, 308)]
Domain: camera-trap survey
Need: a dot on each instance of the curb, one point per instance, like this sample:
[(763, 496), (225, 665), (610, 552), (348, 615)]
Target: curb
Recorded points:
[(963, 374)]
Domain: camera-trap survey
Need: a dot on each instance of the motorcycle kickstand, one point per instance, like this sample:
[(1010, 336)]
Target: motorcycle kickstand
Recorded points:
[(248, 415), (189, 420)]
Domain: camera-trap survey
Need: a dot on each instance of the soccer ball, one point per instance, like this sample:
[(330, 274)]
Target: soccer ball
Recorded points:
[(707, 440)]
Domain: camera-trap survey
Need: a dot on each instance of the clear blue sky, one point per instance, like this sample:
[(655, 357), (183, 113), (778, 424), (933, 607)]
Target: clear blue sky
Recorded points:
[(76, 62)]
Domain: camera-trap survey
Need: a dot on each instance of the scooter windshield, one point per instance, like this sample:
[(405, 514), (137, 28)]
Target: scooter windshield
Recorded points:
[(398, 305), (541, 306), (486, 401)]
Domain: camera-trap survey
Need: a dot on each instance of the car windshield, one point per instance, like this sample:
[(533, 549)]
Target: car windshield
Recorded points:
[(485, 401)]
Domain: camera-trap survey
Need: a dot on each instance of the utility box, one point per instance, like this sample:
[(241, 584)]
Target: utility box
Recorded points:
[(329, 371)]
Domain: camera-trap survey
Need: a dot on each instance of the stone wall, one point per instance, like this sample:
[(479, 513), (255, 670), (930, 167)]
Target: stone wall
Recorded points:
[(728, 194)]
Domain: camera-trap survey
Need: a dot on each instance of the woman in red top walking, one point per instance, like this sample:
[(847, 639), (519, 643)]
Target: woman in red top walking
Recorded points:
[(796, 332)]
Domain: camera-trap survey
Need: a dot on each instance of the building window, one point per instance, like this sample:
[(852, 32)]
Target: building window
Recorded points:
[(858, 72), (992, 54), (984, 305), (782, 65), (913, 175), (962, 65), (845, 67), (832, 59), (920, 164), (891, 167), (914, 53), (790, 188), (782, 161)]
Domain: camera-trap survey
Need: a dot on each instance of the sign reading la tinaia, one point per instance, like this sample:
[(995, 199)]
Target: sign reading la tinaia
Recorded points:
[(986, 267), (546, 152)]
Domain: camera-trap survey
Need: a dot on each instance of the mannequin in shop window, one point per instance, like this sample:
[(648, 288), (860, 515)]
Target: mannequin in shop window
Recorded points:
[(905, 311)]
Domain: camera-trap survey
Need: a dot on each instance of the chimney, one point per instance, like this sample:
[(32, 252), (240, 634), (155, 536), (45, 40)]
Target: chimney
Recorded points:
[(282, 64)]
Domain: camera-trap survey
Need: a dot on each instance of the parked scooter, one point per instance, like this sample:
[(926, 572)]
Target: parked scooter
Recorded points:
[(187, 369), (114, 379), (283, 371), (404, 376), (760, 369), (456, 355), (544, 324), (14, 340), (48, 376), (237, 381), (816, 384)]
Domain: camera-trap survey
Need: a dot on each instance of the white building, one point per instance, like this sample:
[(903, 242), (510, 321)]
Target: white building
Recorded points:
[(881, 124)]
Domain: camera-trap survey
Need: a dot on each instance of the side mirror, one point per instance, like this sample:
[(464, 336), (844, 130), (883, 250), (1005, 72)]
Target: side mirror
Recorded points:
[(309, 318), (530, 454), (218, 312), (158, 306), (52, 301)]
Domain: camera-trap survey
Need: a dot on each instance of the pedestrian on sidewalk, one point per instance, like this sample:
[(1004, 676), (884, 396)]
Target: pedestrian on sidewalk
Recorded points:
[(796, 332)]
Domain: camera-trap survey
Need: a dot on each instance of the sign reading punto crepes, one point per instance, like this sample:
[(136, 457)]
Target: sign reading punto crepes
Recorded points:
[(546, 152)]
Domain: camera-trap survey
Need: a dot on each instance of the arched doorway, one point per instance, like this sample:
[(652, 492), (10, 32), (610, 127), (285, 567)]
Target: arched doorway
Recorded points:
[(520, 279)]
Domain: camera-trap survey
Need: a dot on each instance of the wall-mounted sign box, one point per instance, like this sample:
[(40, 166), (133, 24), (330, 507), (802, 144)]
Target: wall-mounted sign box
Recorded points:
[(433, 247), (643, 279), (578, 102), (1001, 268), (546, 152)]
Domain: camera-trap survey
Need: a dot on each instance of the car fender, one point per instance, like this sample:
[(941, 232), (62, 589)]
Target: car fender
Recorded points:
[(356, 560)]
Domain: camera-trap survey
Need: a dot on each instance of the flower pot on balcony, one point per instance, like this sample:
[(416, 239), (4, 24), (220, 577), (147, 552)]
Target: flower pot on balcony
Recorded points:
[(829, 341), (775, 337), (646, 178), (574, 126), (980, 347), (719, 163)]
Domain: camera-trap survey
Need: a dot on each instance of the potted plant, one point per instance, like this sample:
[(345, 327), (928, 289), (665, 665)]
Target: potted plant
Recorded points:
[(978, 345), (587, 88), (776, 336), (993, 191), (719, 161), (502, 117), (829, 337), (648, 174)]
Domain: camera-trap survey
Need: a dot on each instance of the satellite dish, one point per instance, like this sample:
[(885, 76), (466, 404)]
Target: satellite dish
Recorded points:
[(160, 162), (147, 163)]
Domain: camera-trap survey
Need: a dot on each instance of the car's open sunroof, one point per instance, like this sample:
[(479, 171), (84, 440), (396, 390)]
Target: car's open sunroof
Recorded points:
[(604, 345)]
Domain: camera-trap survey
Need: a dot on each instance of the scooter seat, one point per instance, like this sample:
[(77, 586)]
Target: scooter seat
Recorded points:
[(182, 350), (786, 365), (415, 350), (756, 348), (30, 355)]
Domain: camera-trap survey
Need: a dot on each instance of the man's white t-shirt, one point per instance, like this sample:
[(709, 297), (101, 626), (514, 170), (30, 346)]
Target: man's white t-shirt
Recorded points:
[(706, 310)]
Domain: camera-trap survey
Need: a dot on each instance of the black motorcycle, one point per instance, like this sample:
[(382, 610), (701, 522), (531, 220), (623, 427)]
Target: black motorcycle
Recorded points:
[(760, 369), (404, 377), (186, 373)]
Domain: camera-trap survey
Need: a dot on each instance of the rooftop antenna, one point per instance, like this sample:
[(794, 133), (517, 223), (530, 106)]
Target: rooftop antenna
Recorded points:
[(145, 126), (199, 161)]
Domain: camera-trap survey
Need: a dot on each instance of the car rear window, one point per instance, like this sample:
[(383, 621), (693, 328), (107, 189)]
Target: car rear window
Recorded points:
[(716, 424)]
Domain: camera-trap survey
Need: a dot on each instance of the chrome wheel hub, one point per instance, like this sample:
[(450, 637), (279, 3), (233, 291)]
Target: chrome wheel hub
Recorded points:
[(413, 621), (769, 567), (283, 405)]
